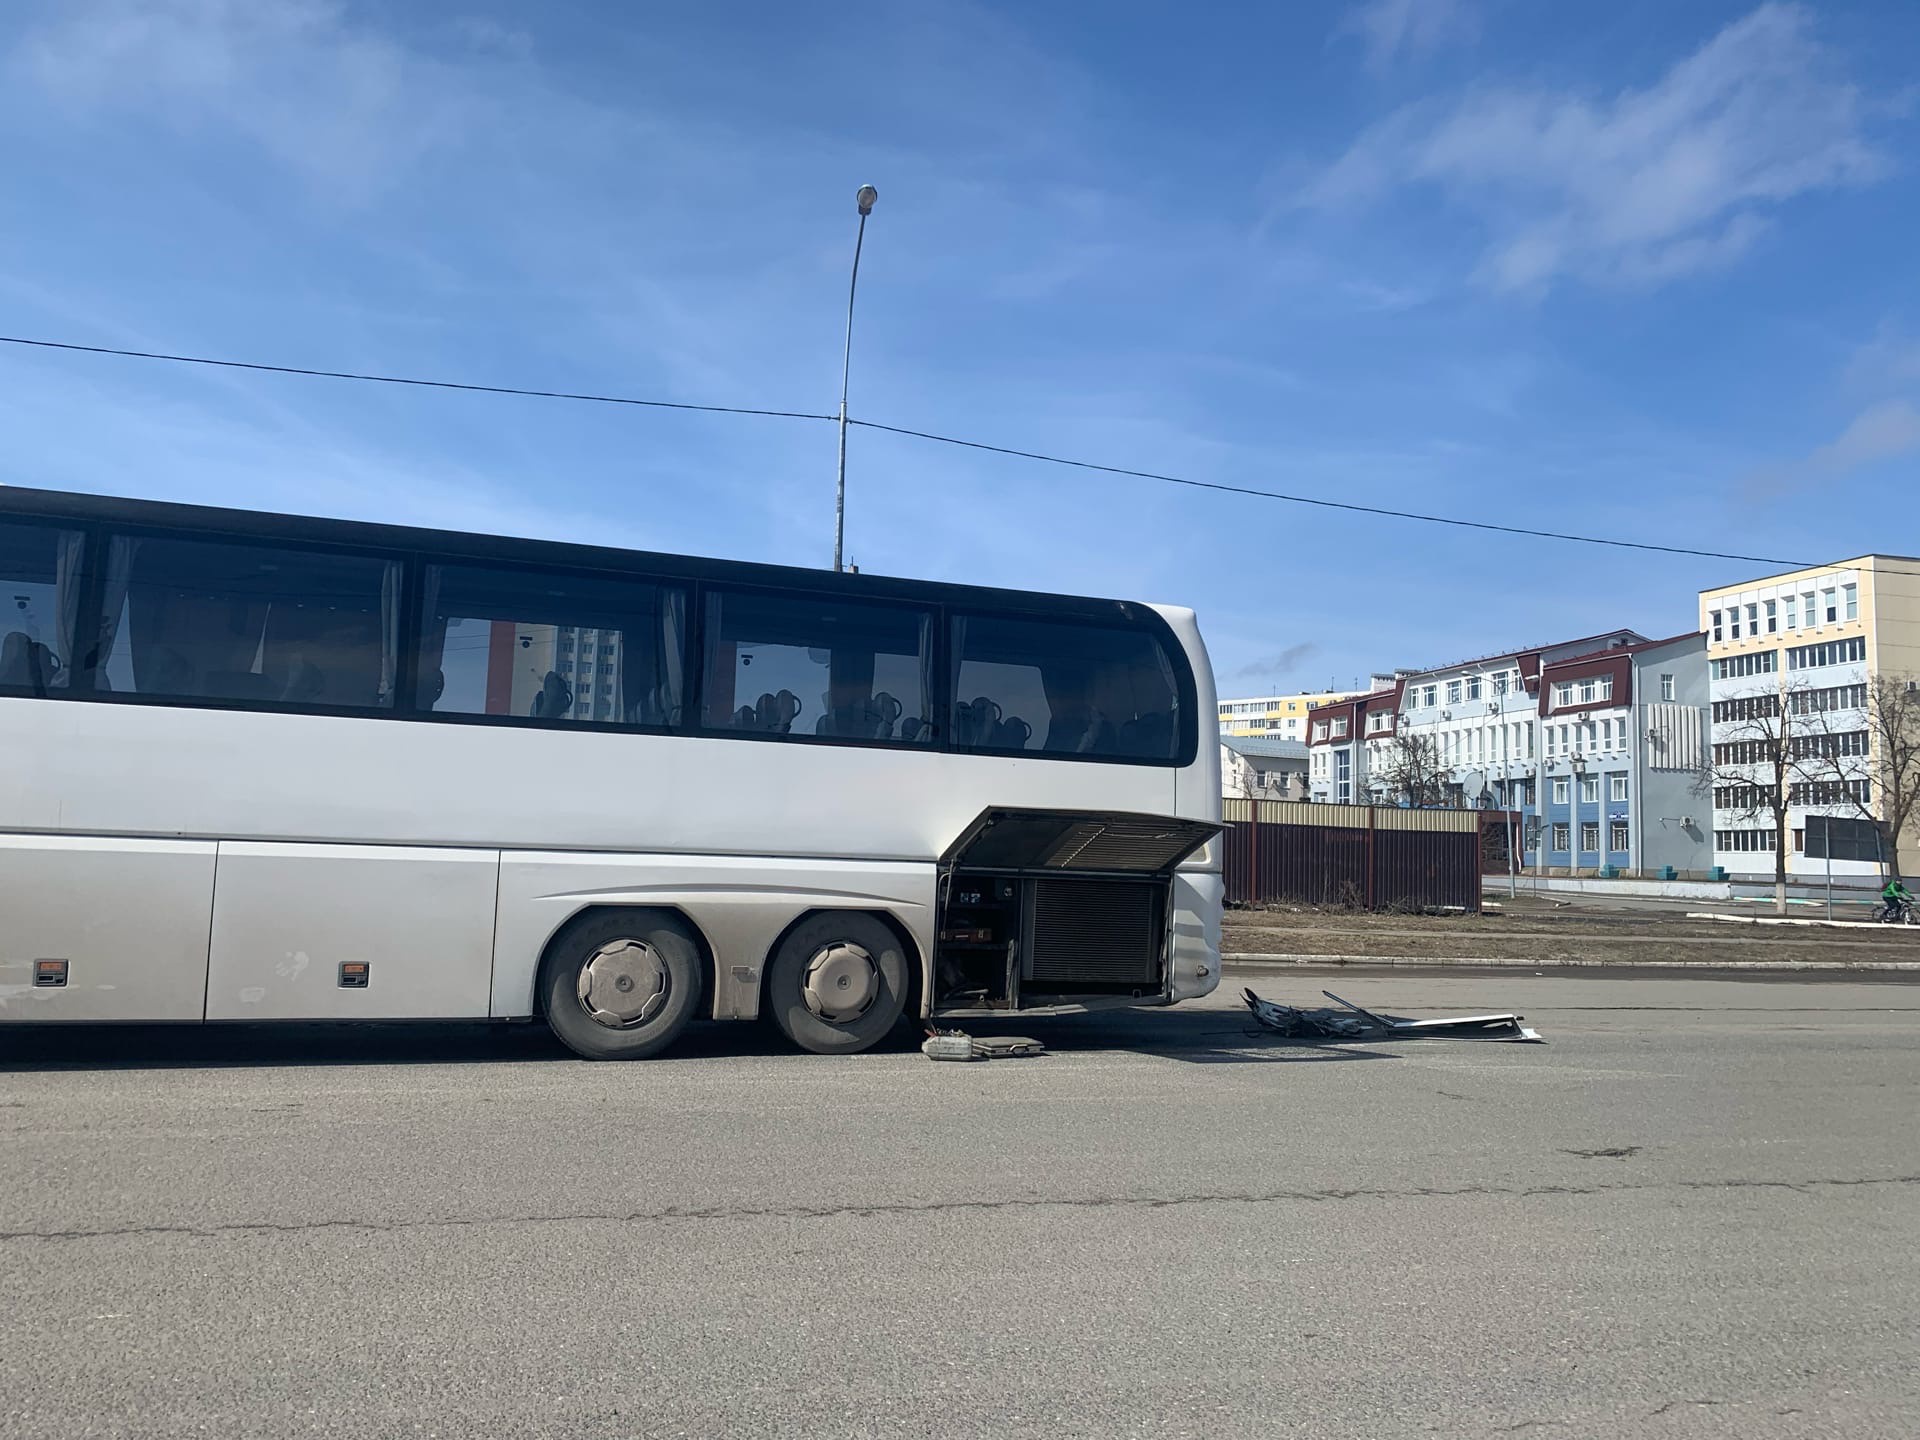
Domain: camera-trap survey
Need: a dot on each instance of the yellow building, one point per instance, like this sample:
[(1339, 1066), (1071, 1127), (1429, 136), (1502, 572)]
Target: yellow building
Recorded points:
[(1827, 631), (1276, 717)]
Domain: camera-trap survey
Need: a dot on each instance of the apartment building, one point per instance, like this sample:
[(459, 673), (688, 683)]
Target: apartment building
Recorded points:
[(1276, 717), (1808, 642), (1256, 768), (1597, 741), (1338, 753)]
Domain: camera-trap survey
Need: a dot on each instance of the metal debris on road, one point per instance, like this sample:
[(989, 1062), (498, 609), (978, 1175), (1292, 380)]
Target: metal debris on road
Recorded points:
[(958, 1045), (1350, 1022)]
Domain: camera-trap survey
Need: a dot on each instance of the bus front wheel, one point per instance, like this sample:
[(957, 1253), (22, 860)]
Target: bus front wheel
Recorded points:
[(622, 986), (838, 983)]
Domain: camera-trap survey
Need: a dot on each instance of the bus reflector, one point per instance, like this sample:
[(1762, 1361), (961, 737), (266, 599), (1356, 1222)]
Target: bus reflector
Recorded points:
[(353, 974), (49, 974)]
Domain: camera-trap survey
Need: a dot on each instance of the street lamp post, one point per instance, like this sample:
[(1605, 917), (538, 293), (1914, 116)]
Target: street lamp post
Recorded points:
[(864, 198), (1579, 767)]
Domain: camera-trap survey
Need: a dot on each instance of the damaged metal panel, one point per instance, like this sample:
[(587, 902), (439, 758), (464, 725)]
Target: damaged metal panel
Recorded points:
[(1350, 1022)]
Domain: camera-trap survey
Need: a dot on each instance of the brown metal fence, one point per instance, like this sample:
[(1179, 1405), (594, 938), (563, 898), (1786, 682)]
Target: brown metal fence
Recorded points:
[(1367, 857)]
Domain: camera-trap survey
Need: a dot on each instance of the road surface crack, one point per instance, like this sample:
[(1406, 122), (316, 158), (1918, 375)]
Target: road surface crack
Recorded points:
[(673, 1214)]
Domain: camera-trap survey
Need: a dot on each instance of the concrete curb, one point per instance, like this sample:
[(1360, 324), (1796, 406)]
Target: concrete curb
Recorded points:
[(1792, 920), (1508, 962)]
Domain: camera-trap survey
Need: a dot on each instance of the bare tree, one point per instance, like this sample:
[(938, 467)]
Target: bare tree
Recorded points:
[(1243, 782), (1870, 770), (1758, 761), (1410, 769)]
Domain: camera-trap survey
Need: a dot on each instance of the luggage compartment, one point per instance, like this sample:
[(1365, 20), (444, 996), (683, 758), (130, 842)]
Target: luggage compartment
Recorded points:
[(1043, 907)]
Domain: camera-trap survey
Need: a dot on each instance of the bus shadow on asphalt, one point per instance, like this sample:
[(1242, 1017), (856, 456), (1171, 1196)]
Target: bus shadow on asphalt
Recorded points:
[(1197, 1038)]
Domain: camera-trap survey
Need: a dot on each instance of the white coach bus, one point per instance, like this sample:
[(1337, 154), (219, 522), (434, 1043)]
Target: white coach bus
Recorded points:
[(260, 767)]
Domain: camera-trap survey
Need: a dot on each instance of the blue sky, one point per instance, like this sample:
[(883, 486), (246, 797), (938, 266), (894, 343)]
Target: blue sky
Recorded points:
[(1643, 269)]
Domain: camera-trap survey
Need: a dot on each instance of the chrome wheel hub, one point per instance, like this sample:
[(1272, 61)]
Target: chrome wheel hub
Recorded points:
[(841, 982), (623, 983)]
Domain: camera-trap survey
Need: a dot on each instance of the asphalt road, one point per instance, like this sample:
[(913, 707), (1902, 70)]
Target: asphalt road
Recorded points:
[(1693, 1213)]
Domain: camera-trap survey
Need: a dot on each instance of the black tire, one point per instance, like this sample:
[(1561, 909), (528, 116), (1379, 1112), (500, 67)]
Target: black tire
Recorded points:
[(674, 959), (827, 1032)]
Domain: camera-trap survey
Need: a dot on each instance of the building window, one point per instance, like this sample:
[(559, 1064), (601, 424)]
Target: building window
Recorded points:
[(1339, 728), (1810, 614), (1343, 776), (1473, 687), (1733, 623), (1500, 683), (1617, 787), (1560, 792), (1590, 835), (1589, 688), (1561, 840), (1717, 635), (1666, 686), (1618, 838), (1736, 667), (1773, 617), (1793, 612), (1562, 694), (1753, 619), (1453, 692), (1831, 652), (1830, 792), (1589, 789), (1829, 606), (1429, 696), (1319, 730), (1852, 594)]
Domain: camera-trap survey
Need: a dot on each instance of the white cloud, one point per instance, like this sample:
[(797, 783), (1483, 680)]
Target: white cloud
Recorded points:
[(1391, 29), (1884, 431), (343, 106), (1889, 361), (1636, 187)]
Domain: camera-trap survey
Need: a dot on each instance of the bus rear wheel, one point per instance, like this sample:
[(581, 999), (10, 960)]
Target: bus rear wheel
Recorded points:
[(622, 986), (838, 983)]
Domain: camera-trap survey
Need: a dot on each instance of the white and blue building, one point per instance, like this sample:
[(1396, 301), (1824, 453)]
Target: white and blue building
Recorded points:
[(1597, 742)]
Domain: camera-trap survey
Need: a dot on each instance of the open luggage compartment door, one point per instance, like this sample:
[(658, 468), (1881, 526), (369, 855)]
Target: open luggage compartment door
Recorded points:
[(1041, 906)]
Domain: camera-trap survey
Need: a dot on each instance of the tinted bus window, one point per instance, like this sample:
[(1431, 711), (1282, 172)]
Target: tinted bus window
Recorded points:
[(806, 665), (549, 645), (237, 621), (39, 607), (1063, 689)]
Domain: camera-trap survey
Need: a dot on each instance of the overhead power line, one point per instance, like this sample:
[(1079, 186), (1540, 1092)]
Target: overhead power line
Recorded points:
[(1323, 503), (1353, 507), (408, 380)]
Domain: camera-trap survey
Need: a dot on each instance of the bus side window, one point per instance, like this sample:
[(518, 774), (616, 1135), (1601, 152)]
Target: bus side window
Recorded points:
[(1063, 688), (551, 645), (238, 620), (779, 664), (39, 607)]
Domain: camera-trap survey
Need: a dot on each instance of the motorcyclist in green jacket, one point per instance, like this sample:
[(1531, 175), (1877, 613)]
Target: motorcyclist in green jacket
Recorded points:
[(1896, 894)]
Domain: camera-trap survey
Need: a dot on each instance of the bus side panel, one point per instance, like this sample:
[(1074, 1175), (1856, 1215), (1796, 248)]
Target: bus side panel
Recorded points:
[(1197, 901), (740, 903), (130, 918), (287, 917)]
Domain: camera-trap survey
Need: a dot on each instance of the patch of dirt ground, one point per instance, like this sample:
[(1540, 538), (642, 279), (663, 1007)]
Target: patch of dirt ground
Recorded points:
[(1616, 937)]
